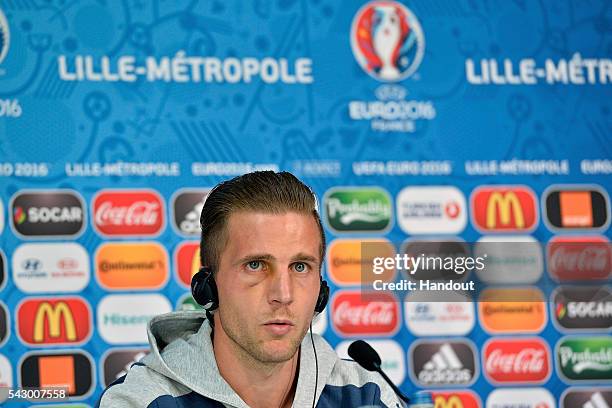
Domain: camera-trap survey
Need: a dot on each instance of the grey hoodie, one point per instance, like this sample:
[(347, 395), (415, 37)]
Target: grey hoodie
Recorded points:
[(181, 371)]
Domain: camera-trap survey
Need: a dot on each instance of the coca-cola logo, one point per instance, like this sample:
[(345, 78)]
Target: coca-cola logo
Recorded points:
[(357, 314), (516, 361), (580, 259), (128, 213)]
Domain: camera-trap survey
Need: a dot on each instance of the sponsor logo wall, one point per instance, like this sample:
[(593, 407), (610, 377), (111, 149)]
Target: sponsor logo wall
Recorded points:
[(424, 128)]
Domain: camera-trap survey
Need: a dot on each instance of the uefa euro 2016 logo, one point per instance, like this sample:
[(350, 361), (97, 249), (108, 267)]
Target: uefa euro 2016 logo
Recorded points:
[(4, 36), (387, 40)]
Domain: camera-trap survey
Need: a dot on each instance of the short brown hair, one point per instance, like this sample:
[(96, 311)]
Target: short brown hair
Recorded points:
[(262, 191)]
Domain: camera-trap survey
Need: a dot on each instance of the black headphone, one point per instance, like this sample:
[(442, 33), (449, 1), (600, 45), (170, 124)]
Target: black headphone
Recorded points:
[(204, 291)]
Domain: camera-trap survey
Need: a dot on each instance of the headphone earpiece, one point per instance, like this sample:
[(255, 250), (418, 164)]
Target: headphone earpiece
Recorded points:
[(323, 296), (204, 289)]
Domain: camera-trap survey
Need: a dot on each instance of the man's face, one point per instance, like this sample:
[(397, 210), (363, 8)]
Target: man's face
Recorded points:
[(268, 282)]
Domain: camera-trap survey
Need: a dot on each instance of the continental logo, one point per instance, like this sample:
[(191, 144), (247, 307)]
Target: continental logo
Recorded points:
[(520, 310), (186, 261), (132, 266), (54, 321), (455, 399), (70, 369), (576, 207), (350, 261), (504, 209), (585, 358), (358, 209)]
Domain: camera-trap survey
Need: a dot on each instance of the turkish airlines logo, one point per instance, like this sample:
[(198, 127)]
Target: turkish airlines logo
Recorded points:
[(187, 261), (583, 308), (455, 399), (504, 209), (357, 314), (515, 361), (431, 210), (57, 213), (186, 210), (443, 363), (128, 213), (132, 266), (579, 258), (577, 208), (54, 321), (453, 317), (72, 370)]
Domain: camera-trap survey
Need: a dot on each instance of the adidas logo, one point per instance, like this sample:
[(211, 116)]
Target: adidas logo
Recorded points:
[(445, 367), (596, 401)]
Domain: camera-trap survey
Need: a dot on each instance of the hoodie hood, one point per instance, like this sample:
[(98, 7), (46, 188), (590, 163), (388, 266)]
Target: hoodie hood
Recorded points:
[(181, 349)]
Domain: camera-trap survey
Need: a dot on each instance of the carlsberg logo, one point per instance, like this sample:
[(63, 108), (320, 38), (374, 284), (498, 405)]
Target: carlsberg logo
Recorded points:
[(358, 209), (586, 358)]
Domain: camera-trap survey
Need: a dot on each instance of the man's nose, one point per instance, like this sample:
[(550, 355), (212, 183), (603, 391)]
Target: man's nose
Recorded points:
[(281, 287)]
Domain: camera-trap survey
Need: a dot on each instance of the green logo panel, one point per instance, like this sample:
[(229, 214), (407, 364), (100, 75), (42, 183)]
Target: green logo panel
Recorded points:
[(585, 358), (358, 209)]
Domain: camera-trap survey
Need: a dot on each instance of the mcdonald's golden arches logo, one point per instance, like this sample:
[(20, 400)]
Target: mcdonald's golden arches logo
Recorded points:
[(504, 209), (54, 321)]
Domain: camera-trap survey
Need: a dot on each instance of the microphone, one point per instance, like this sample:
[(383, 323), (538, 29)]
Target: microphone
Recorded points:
[(368, 358)]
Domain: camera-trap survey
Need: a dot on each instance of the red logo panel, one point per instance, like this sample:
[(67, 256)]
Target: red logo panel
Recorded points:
[(579, 258), (455, 399), (187, 261), (504, 209), (44, 321), (128, 213), (358, 314), (516, 361)]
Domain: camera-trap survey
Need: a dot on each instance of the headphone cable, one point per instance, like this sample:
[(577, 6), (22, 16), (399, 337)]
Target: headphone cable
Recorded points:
[(314, 349)]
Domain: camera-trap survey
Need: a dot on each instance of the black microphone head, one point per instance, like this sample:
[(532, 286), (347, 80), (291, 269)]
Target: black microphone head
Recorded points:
[(364, 355)]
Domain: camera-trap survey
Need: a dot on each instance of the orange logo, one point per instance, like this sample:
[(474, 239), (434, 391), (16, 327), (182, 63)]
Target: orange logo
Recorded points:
[(576, 208), (351, 261), (187, 258), (132, 266), (520, 310)]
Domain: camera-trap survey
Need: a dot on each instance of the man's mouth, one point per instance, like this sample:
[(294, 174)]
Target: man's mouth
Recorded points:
[(279, 327)]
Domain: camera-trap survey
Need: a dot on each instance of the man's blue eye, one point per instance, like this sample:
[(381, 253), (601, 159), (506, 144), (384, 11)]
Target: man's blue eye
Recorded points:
[(300, 267), (254, 264)]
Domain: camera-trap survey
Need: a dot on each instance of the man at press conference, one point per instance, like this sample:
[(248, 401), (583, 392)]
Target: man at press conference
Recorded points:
[(262, 248)]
